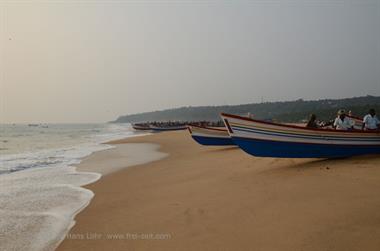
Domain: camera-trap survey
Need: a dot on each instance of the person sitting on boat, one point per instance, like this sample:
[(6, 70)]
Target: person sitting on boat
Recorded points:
[(370, 121), (312, 123), (342, 122)]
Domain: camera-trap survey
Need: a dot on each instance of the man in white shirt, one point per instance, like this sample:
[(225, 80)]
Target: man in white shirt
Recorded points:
[(342, 122), (370, 121)]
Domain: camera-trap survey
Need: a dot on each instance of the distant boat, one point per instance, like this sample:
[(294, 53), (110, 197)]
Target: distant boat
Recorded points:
[(210, 136), (266, 139), (141, 127), (154, 128), (33, 125), (167, 128)]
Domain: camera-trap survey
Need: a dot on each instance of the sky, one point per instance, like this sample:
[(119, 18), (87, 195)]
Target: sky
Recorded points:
[(91, 61)]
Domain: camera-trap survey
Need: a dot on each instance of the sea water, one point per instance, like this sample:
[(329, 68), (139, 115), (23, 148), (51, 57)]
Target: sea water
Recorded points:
[(40, 189)]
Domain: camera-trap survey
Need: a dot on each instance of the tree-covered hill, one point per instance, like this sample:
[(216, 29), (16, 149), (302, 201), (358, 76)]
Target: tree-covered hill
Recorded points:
[(287, 111)]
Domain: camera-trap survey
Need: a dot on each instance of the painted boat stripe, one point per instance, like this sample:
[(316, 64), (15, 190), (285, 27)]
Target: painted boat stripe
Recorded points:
[(309, 134), (238, 128), (359, 134)]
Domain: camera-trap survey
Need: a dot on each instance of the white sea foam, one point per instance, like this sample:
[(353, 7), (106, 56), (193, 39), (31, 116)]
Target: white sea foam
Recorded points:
[(48, 157), (40, 190), (37, 206)]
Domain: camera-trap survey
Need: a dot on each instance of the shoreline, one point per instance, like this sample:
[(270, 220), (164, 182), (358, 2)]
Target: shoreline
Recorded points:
[(216, 198), (120, 156), (39, 205), (130, 154)]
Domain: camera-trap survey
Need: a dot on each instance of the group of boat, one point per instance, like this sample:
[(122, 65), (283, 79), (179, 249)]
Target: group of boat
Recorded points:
[(154, 128), (268, 139), (173, 126)]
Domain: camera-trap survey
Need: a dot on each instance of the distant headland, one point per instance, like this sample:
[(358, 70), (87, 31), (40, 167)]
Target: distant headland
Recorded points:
[(285, 111)]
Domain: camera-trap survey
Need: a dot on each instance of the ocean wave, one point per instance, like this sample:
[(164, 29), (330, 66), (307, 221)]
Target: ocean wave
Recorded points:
[(40, 190), (48, 158)]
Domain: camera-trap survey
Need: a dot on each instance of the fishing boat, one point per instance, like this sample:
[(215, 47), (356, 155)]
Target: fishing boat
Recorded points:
[(158, 128), (210, 136), (267, 139), (167, 128), (141, 127)]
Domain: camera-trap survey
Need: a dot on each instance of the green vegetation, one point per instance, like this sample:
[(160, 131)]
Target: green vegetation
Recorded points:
[(288, 111)]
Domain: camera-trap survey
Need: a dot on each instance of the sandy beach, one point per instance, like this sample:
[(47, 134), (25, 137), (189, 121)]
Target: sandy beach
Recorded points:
[(220, 198)]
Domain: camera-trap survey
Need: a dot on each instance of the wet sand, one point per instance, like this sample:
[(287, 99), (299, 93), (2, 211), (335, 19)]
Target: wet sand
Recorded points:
[(220, 198)]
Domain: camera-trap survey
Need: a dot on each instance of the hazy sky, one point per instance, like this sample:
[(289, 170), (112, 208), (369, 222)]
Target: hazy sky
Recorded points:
[(88, 61)]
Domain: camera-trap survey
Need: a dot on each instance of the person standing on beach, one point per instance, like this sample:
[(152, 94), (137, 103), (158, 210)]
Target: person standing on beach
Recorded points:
[(370, 121), (342, 122)]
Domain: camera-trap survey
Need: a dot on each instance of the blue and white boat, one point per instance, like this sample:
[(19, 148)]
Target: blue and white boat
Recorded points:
[(266, 139), (210, 136)]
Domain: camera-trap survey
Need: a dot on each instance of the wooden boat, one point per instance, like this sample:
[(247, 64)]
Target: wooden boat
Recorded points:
[(268, 139), (141, 127), (150, 127), (167, 128), (210, 136)]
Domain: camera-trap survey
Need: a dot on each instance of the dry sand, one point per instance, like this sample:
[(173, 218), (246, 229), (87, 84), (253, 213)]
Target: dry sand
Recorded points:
[(212, 198)]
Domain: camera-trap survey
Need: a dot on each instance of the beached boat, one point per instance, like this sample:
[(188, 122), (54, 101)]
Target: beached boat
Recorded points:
[(268, 139), (141, 127), (167, 128), (210, 136)]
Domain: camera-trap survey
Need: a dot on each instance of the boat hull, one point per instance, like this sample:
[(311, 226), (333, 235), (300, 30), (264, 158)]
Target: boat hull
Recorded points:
[(212, 141), (209, 136), (265, 139), (141, 128), (267, 148)]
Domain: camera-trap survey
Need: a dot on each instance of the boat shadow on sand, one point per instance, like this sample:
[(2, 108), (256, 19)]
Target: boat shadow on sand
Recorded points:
[(284, 165), (225, 149)]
